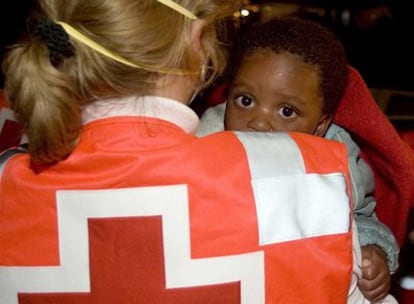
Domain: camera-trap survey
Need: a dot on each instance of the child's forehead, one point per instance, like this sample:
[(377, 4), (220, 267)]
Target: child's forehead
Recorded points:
[(282, 76), (281, 59)]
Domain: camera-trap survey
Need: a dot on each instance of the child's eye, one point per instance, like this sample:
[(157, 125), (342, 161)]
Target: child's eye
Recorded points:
[(244, 101), (287, 112)]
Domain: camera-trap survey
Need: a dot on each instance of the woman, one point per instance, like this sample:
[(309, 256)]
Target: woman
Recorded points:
[(117, 201)]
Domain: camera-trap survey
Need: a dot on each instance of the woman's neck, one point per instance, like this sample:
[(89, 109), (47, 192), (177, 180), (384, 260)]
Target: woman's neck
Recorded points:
[(178, 87)]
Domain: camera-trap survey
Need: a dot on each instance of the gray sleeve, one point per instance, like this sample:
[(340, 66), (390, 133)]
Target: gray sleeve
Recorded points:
[(8, 154), (371, 231), (212, 120)]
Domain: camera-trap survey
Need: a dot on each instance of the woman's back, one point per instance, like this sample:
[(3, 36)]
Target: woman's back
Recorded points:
[(131, 196)]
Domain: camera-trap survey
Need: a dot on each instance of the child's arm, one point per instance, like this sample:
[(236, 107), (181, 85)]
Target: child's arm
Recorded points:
[(371, 230), (377, 267)]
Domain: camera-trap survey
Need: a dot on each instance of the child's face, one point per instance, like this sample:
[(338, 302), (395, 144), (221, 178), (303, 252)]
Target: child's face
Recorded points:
[(276, 92)]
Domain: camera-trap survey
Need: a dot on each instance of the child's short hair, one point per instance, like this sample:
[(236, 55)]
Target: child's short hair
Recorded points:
[(316, 44)]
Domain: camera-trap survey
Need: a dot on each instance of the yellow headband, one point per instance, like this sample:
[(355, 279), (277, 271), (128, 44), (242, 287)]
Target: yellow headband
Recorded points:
[(75, 34), (178, 8)]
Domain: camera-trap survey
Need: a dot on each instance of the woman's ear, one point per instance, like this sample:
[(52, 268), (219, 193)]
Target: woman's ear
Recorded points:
[(323, 125), (197, 27)]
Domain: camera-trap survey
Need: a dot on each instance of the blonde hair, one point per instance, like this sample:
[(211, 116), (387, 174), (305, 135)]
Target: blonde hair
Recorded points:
[(48, 99)]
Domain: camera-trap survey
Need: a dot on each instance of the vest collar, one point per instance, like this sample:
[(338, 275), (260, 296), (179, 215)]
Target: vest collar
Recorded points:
[(145, 106)]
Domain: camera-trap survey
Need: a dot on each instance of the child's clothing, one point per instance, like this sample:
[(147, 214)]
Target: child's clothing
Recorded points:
[(371, 231)]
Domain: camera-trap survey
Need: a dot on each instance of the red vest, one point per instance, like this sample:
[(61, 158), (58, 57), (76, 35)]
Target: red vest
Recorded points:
[(143, 213)]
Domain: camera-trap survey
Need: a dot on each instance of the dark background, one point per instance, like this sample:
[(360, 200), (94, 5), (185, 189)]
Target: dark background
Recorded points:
[(12, 16), (379, 46), (377, 36)]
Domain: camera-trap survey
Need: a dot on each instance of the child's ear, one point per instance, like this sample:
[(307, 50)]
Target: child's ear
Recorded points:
[(323, 125)]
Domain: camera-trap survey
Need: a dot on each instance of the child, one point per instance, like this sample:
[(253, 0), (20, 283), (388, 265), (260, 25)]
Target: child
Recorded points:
[(289, 75)]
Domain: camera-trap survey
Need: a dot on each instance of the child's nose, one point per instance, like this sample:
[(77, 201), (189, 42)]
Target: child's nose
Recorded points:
[(262, 123)]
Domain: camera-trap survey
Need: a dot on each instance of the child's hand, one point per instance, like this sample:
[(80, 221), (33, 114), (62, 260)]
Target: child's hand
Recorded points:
[(375, 283)]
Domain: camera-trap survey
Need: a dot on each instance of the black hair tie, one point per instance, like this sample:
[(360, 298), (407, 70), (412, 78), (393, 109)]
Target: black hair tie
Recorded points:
[(57, 40)]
